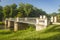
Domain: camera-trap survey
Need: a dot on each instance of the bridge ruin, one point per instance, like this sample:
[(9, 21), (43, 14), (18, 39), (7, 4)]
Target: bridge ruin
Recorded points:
[(40, 23)]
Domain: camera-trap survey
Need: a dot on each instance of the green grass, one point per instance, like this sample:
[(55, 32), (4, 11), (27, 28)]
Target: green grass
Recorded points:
[(50, 33), (1, 23)]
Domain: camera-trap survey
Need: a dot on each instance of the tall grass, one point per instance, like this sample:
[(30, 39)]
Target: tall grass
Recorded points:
[(50, 33), (1, 23)]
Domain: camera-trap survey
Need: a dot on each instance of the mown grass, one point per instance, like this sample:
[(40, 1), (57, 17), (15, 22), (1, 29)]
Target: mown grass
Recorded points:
[(50, 33)]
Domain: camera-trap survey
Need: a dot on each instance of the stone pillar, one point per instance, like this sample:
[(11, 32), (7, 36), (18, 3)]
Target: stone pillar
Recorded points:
[(40, 16), (52, 19), (44, 16), (55, 19), (37, 21), (41, 24), (17, 19), (5, 24), (38, 27), (9, 23), (16, 24), (25, 19), (46, 22)]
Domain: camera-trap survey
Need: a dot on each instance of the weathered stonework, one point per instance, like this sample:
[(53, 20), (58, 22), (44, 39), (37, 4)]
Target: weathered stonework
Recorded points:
[(40, 23)]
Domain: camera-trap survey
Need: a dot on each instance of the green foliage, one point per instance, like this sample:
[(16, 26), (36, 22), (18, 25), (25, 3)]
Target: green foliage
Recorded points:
[(13, 6), (1, 13), (28, 9), (1, 16), (1, 23), (13, 11), (53, 14), (56, 14), (19, 14), (6, 11), (1, 8), (24, 10), (50, 33), (31, 28), (58, 18), (59, 10)]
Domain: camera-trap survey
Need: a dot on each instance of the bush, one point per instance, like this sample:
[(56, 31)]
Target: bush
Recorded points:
[(31, 27), (1, 23)]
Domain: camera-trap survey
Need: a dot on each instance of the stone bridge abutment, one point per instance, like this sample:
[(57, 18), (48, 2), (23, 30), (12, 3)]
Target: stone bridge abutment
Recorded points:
[(22, 23)]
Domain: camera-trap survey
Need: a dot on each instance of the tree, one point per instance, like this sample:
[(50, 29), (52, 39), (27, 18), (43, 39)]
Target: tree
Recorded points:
[(19, 14), (28, 9), (13, 10), (59, 10), (21, 9), (37, 12), (1, 8), (24, 10), (53, 14), (6, 11), (1, 13)]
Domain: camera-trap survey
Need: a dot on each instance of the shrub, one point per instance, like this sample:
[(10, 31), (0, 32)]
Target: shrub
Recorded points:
[(1, 23), (31, 27)]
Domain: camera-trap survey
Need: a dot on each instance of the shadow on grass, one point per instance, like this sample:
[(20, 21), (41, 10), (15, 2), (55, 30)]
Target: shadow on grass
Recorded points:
[(54, 28), (5, 32)]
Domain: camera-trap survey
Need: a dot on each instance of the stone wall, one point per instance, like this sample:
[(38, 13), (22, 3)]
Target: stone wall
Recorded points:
[(41, 23)]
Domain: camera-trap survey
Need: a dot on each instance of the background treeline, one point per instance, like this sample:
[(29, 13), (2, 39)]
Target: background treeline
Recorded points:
[(56, 14), (22, 10)]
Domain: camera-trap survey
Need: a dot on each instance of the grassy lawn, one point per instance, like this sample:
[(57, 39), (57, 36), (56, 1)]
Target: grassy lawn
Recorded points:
[(50, 33)]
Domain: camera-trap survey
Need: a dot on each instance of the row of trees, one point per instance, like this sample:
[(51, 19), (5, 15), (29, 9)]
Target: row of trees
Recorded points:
[(56, 14), (22, 10)]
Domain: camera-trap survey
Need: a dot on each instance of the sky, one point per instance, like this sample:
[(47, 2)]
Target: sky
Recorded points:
[(49, 6)]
